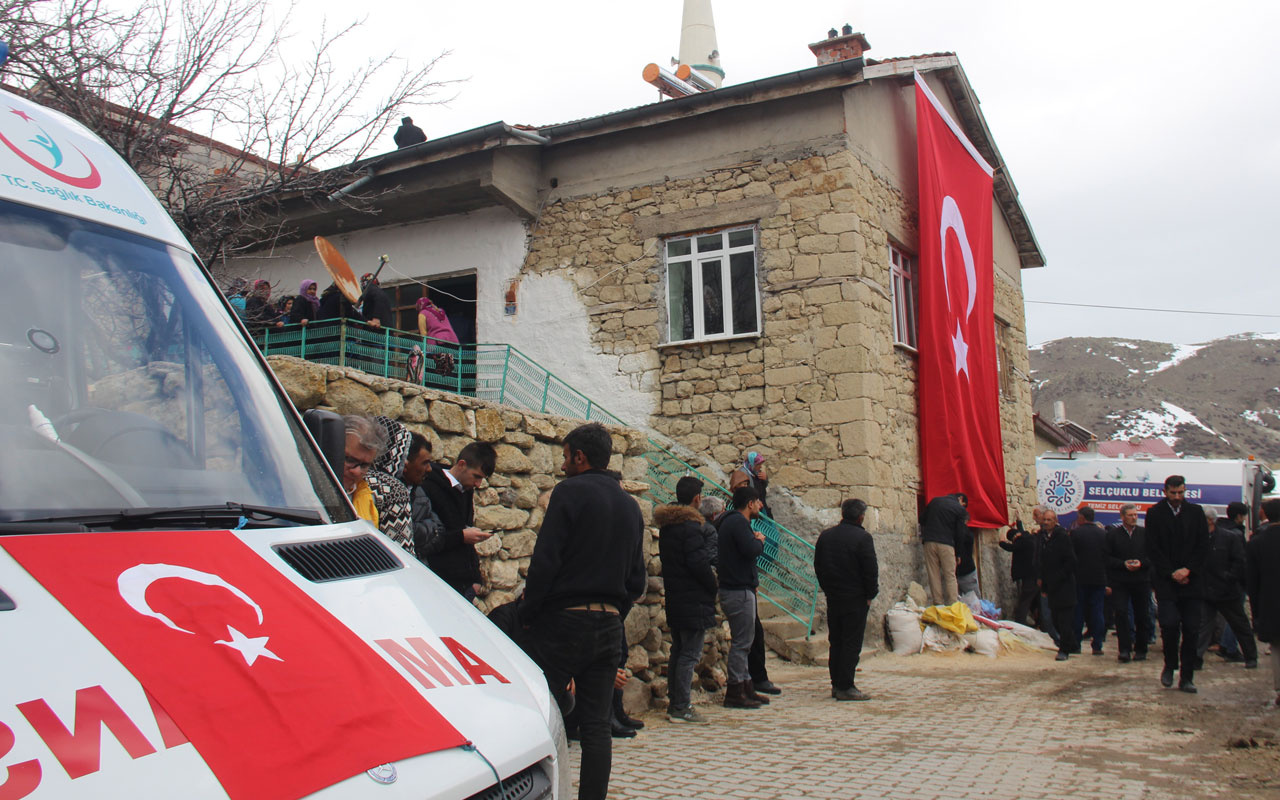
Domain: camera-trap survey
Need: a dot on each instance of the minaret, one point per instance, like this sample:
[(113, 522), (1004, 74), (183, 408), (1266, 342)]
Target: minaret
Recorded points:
[(698, 41)]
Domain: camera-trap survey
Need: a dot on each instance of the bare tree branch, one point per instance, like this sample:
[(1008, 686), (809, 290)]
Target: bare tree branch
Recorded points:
[(161, 84)]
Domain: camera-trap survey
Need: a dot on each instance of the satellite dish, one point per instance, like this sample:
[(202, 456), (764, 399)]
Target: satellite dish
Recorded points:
[(339, 270)]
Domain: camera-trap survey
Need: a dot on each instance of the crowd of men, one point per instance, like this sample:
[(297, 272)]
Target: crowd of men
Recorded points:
[(1187, 569)]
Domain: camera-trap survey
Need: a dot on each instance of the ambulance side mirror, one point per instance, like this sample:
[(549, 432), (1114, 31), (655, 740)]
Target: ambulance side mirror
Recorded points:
[(330, 433)]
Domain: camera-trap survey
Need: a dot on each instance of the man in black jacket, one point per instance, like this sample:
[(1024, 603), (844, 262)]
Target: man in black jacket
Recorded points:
[(687, 546), (375, 306), (587, 568), (1262, 565), (1058, 581), (1090, 543), (1023, 567), (1129, 581), (451, 553), (1178, 544), (739, 547), (1224, 585), (844, 560), (945, 520)]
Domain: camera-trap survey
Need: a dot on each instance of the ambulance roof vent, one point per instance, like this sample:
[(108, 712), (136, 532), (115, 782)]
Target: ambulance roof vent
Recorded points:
[(338, 559)]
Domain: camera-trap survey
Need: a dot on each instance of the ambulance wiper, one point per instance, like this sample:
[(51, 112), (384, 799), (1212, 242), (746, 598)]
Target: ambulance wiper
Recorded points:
[(226, 515)]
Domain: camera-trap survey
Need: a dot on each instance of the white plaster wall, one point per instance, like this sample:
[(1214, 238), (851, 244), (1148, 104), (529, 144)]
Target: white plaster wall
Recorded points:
[(552, 328)]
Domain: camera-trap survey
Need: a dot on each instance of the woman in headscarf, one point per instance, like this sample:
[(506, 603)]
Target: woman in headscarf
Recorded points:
[(306, 306), (752, 473), (386, 482), (433, 323)]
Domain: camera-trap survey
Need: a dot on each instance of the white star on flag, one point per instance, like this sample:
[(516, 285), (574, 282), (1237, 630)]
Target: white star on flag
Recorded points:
[(251, 649), (961, 351)]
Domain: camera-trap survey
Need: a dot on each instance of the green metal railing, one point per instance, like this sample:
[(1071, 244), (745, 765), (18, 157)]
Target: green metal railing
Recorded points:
[(499, 373)]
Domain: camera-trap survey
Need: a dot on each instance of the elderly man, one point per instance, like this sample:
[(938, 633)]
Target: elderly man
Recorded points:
[(1129, 584), (365, 442)]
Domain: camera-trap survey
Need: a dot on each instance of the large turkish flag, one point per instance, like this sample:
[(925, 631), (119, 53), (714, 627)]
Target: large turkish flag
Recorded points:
[(960, 446), (279, 697)]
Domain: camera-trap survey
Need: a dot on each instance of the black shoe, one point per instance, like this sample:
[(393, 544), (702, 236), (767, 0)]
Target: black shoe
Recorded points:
[(620, 731), (1141, 655), (1251, 663), (1185, 685), (1075, 651), (849, 694), (1097, 651), (1234, 658), (1124, 658), (621, 715), (1166, 677), (1061, 656), (767, 686)]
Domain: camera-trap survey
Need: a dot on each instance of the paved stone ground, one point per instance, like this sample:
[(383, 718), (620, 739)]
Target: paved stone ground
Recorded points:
[(967, 726)]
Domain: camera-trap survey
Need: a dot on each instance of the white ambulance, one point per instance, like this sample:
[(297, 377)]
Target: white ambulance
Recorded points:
[(189, 606)]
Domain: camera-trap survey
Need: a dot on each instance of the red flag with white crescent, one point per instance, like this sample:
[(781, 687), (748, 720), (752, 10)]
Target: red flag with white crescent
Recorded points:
[(960, 442), (279, 698)]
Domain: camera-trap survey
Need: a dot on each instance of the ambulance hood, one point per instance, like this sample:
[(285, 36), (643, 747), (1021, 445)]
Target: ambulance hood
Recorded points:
[(58, 677)]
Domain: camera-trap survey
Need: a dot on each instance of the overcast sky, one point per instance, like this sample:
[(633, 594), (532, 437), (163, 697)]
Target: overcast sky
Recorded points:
[(1144, 137)]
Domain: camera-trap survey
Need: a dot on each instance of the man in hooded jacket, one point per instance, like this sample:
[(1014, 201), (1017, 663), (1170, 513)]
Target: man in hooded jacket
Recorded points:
[(687, 547)]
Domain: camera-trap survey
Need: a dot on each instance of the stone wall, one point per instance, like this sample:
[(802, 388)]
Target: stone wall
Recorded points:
[(511, 503), (824, 392)]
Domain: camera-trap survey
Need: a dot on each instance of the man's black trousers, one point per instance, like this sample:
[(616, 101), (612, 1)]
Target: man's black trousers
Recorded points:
[(846, 625), (1135, 599), (1064, 620), (1179, 616), (583, 645)]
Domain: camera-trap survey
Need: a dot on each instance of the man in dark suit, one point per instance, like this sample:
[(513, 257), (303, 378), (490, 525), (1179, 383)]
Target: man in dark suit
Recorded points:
[(844, 560), (1262, 565), (1058, 581), (1129, 584), (1090, 543), (1178, 544), (451, 552), (1224, 584)]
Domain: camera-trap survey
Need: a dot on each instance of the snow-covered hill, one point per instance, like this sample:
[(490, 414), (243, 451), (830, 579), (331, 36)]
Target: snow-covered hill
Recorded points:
[(1219, 398)]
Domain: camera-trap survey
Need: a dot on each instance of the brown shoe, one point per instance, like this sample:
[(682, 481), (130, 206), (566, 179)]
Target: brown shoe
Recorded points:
[(735, 697), (749, 689)]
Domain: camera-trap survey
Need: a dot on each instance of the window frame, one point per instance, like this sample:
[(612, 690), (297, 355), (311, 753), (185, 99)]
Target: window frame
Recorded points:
[(904, 279), (696, 259)]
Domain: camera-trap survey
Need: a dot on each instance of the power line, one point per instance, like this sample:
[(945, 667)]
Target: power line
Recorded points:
[(1163, 310)]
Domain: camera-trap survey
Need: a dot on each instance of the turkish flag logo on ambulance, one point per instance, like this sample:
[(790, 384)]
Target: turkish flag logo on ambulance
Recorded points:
[(279, 698)]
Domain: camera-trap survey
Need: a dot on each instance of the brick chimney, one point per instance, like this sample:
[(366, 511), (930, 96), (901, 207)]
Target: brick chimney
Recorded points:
[(840, 46)]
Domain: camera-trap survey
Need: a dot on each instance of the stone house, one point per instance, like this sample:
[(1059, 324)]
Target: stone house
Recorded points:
[(734, 270)]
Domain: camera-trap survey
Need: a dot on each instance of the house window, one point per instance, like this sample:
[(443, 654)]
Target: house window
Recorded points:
[(719, 270), (903, 267)]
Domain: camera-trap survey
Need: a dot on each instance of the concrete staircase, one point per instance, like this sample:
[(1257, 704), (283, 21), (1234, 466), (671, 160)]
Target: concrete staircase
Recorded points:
[(785, 635)]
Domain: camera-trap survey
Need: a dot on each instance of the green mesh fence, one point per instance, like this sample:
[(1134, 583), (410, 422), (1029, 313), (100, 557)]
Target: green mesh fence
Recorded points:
[(500, 373)]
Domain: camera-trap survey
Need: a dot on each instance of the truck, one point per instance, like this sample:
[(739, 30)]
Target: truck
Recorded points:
[(189, 604), (1067, 481)]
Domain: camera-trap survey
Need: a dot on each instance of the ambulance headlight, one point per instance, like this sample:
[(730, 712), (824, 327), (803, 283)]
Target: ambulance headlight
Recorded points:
[(561, 775)]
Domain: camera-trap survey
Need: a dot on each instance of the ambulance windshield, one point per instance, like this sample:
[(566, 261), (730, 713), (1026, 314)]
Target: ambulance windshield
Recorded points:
[(126, 386)]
